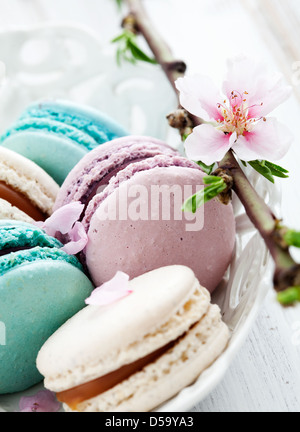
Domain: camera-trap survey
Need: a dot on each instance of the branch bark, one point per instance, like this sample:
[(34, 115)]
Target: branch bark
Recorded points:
[(287, 271)]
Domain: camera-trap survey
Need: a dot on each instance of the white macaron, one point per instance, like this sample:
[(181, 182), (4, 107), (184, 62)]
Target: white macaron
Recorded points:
[(27, 192), (138, 352)]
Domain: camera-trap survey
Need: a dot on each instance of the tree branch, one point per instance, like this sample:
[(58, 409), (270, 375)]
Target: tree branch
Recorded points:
[(287, 272)]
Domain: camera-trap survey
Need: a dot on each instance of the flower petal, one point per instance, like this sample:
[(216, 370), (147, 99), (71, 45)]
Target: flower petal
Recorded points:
[(62, 219), (271, 92), (270, 140), (78, 240), (43, 401), (242, 75), (110, 292), (265, 91), (200, 97), (207, 144)]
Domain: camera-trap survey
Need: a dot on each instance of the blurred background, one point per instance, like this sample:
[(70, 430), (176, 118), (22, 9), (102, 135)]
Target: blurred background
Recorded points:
[(47, 56)]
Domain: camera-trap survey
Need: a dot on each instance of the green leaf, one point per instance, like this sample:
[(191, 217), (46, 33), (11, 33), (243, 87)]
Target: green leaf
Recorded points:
[(292, 238), (138, 54), (277, 170), (119, 55), (184, 136), (119, 38), (289, 296), (212, 180), (268, 169), (192, 203), (217, 185), (208, 169), (262, 169), (128, 49), (276, 167)]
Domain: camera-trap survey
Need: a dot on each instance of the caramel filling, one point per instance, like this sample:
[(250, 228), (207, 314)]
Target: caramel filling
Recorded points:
[(77, 395), (21, 202)]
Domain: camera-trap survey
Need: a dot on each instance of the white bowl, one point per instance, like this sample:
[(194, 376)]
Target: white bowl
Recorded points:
[(68, 62)]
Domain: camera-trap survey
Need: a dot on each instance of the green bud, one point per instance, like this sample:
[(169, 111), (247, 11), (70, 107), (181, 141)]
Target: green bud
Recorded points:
[(289, 296), (292, 238)]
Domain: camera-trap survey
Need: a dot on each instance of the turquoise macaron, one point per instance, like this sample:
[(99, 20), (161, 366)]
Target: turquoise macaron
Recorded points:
[(41, 287), (57, 134)]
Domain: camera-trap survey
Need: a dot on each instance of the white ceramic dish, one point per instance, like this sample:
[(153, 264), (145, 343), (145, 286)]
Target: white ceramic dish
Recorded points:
[(51, 61)]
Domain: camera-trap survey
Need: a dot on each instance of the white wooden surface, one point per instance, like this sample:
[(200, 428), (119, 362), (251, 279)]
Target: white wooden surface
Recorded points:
[(265, 375)]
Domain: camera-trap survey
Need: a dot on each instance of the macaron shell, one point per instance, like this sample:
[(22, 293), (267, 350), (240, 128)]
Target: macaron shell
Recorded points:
[(56, 155), (57, 134), (28, 178), (137, 325), (7, 211), (98, 162), (20, 235), (36, 299), (53, 127), (173, 371), (85, 118), (139, 246)]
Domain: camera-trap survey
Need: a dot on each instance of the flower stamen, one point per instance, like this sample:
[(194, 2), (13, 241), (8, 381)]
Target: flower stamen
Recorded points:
[(236, 114)]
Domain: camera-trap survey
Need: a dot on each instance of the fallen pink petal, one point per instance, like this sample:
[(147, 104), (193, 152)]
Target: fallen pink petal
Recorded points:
[(78, 240), (43, 401), (237, 119), (110, 292), (63, 219)]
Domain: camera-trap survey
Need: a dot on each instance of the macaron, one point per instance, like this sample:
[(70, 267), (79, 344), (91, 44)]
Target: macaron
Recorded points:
[(41, 287), (57, 134), (9, 212), (135, 354), (136, 234), (27, 192)]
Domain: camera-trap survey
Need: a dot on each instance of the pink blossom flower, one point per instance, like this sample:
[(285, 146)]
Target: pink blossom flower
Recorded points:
[(43, 401), (65, 221), (110, 292), (236, 120)]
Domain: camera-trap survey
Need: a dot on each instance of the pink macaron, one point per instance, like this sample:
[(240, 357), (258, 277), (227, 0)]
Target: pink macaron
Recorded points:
[(133, 189)]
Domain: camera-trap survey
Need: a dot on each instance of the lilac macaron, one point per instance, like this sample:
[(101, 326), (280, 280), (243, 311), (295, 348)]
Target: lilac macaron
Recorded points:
[(133, 189)]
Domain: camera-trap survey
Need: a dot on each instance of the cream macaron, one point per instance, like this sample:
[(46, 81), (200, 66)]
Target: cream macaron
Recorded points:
[(27, 192), (135, 354)]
